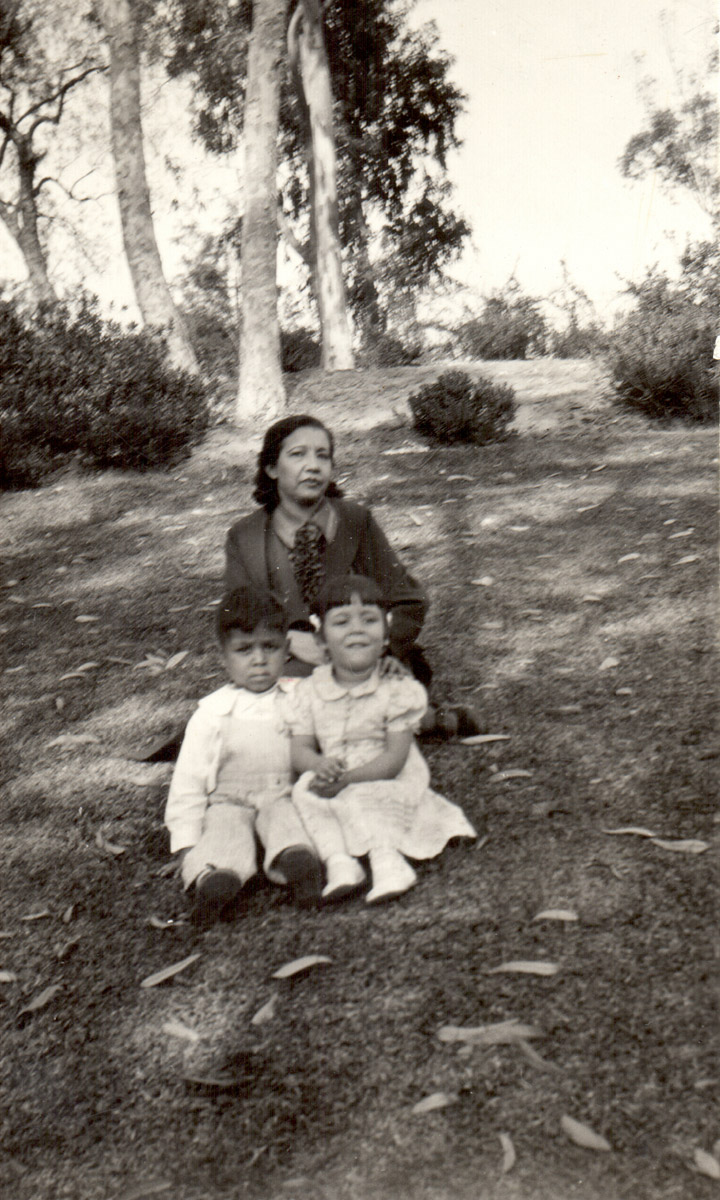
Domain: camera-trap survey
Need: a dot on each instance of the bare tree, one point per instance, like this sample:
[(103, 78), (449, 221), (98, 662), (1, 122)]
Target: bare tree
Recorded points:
[(261, 390), (141, 249)]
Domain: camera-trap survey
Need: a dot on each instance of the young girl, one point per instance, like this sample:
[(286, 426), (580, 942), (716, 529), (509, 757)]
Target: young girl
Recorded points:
[(364, 786), (233, 775)]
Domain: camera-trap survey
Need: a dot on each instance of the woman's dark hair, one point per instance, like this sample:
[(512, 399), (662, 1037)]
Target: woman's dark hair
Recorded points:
[(265, 492), (340, 589), (247, 608)]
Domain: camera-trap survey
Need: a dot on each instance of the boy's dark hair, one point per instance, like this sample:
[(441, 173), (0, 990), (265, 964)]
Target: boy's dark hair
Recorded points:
[(245, 608), (340, 589), (265, 491)]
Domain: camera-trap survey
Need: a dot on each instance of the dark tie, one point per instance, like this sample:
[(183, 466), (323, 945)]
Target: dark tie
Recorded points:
[(306, 557)]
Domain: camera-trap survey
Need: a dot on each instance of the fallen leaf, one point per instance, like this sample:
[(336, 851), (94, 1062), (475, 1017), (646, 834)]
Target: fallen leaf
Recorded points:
[(535, 1059), (682, 533), (587, 507), (483, 581), (583, 1135), (176, 659), (519, 528), (628, 558), (600, 468), (509, 1156), (590, 599), (706, 1163), (450, 479), (67, 948), (68, 914), (416, 520), (501, 1033), (160, 922), (623, 691), (689, 558), (222, 1081), (169, 972), (300, 964), (522, 966), (436, 1100), (501, 776), (682, 845), (37, 916), (184, 1032), (556, 914), (267, 1012), (8, 977), (608, 663), (637, 830), (103, 843), (41, 1000), (479, 739), (85, 619), (73, 739)]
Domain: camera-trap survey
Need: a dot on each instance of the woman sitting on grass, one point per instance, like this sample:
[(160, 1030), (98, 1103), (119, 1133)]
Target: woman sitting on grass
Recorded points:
[(304, 532), (364, 786)]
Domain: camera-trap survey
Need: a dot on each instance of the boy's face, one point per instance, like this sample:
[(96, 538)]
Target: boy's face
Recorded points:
[(254, 660)]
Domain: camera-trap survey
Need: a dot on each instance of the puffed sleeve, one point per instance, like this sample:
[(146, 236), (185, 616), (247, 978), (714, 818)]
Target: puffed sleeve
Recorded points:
[(406, 705), (296, 710)]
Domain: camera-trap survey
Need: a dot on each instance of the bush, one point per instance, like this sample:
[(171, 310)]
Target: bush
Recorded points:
[(456, 409), (511, 326), (660, 354), (300, 350), (72, 384)]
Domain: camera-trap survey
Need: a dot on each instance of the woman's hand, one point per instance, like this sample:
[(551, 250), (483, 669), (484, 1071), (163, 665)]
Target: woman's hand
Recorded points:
[(304, 646), (392, 668)]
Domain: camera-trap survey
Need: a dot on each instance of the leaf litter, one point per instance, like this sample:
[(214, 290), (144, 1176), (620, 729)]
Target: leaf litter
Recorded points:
[(500, 1033), (583, 1135), (525, 967), (298, 965), (168, 972), (706, 1163), (433, 1102), (509, 1156)]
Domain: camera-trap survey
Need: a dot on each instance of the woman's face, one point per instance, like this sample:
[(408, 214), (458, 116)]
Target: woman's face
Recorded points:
[(304, 466)]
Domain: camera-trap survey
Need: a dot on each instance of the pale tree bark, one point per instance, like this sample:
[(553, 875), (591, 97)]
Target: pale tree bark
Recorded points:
[(21, 219), (307, 53), (151, 291), (261, 390)]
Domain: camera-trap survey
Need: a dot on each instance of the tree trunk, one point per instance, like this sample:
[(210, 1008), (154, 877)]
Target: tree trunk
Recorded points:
[(151, 291), (21, 221), (315, 74), (261, 391)]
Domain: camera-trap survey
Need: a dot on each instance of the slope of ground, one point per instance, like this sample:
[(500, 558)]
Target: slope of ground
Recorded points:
[(572, 571)]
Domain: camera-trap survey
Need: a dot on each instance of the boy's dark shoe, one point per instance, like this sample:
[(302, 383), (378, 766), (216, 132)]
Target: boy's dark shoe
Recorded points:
[(302, 874), (214, 892)]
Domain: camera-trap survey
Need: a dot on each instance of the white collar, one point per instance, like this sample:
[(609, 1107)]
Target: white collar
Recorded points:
[(328, 688), (232, 700)]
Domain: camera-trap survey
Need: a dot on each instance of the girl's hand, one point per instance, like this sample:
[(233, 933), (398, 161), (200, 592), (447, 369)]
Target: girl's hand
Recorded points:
[(326, 789), (392, 668), (328, 770)]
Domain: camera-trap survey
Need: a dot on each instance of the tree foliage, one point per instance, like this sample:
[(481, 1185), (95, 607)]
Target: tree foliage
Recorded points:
[(396, 110)]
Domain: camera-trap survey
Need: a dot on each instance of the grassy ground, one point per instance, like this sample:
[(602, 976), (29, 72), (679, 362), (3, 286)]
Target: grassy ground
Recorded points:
[(588, 642)]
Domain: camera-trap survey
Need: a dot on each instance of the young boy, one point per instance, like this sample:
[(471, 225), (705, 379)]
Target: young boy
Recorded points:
[(233, 776)]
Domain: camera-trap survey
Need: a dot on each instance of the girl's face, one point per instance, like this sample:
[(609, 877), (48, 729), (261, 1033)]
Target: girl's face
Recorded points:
[(355, 635), (304, 466), (254, 660)]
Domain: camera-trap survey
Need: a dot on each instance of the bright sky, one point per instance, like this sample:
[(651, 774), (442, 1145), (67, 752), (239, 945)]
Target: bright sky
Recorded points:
[(552, 88)]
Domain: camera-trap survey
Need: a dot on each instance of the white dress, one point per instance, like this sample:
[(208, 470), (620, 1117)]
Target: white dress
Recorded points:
[(351, 722)]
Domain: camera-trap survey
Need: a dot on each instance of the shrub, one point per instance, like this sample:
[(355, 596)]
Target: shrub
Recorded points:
[(74, 384), (660, 355), (456, 409), (511, 326), (300, 350)]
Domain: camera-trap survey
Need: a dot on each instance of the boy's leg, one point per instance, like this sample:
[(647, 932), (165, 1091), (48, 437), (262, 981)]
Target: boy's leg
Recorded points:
[(290, 857), (223, 860)]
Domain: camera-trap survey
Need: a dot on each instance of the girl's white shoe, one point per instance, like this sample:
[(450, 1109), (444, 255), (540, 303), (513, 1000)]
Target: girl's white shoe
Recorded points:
[(344, 875), (391, 874)]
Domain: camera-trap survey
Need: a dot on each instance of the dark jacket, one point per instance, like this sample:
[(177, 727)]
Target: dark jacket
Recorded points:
[(359, 547)]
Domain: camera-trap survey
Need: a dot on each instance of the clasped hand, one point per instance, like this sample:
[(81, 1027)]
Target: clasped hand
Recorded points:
[(328, 778)]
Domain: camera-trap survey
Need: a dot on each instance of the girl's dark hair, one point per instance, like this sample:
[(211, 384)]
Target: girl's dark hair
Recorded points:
[(340, 589), (245, 609), (265, 491)]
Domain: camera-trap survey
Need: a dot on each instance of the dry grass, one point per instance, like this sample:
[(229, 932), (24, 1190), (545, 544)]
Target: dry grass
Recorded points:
[(94, 1102)]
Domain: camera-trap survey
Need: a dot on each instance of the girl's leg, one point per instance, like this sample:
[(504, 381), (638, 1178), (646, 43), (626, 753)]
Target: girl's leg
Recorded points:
[(391, 875), (344, 873)]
